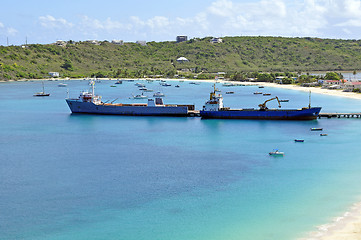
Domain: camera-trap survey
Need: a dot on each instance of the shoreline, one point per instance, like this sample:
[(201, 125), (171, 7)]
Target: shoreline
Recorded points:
[(345, 227), (334, 92)]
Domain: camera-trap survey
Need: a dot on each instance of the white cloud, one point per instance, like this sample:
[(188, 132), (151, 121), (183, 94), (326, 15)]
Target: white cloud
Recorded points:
[(49, 21), (158, 22), (108, 24), (11, 31), (321, 18), (221, 8)]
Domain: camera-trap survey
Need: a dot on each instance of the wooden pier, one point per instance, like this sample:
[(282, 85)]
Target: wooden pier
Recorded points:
[(339, 115), (193, 113)]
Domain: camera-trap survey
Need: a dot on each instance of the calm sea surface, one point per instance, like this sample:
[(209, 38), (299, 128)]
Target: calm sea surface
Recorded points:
[(65, 176)]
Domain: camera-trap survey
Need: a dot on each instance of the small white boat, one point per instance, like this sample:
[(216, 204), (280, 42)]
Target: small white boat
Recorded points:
[(316, 129), (62, 85), (276, 153), (158, 94), (140, 96), (139, 85)]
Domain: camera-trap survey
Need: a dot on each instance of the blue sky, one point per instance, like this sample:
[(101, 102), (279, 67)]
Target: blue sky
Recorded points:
[(41, 21)]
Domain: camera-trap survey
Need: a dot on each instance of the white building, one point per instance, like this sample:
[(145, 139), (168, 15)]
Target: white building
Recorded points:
[(142, 43), (60, 43), (118, 42), (182, 60), (54, 74), (95, 42), (350, 86), (216, 40)]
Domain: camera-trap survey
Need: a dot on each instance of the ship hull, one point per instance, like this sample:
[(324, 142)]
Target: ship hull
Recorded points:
[(132, 110), (269, 114)]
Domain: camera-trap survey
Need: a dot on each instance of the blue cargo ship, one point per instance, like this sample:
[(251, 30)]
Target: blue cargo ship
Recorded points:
[(90, 103), (214, 108)]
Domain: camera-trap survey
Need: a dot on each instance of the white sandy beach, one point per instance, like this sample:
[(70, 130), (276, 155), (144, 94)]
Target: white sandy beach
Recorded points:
[(346, 227), (319, 90)]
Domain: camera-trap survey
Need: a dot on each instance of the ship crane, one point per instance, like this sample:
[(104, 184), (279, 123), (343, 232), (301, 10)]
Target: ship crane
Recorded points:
[(263, 106)]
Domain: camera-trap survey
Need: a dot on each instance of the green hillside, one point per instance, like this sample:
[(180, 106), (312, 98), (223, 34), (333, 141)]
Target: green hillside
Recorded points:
[(235, 54)]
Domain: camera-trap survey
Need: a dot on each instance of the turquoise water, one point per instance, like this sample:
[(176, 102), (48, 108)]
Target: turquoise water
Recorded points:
[(65, 176)]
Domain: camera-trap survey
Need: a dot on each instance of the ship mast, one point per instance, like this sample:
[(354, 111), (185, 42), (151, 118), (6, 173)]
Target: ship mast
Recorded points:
[(309, 100), (93, 83)]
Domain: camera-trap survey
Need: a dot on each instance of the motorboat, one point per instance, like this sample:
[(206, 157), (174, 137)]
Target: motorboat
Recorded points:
[(323, 134), (140, 96), (316, 129), (158, 94), (62, 85), (139, 85), (276, 153), (299, 140)]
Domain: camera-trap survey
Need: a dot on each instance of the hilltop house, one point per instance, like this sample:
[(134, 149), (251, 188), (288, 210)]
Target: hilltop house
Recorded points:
[(60, 43), (118, 42), (142, 43), (181, 39), (95, 42), (216, 40)]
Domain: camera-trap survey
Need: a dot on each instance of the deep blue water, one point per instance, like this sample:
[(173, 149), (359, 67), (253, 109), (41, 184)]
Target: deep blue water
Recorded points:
[(66, 176)]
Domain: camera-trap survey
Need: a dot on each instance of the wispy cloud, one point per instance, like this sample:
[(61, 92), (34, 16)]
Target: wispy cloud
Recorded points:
[(322, 18), (9, 31), (51, 22)]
